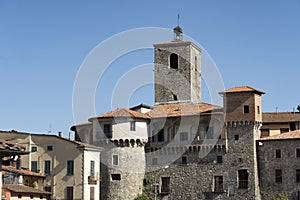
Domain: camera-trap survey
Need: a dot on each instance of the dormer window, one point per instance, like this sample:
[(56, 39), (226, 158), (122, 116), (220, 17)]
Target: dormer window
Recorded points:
[(174, 61)]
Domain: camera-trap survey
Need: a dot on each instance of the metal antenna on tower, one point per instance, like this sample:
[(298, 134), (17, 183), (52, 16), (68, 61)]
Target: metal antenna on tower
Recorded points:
[(178, 17)]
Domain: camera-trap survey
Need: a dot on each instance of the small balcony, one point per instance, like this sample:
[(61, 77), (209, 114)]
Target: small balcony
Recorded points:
[(92, 180)]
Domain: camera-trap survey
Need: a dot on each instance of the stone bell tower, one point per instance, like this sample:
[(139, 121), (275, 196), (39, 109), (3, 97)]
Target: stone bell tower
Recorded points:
[(177, 70)]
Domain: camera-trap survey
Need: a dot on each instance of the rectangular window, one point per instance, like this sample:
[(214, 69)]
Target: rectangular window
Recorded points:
[(183, 136), (297, 152), (284, 130), (48, 189), (277, 153), (132, 126), (92, 169), (70, 167), (265, 132), (154, 161), (107, 130), (161, 136), (33, 149), (70, 193), (115, 160), (218, 184), (219, 159), (92, 193), (258, 110), (236, 137), (47, 167), (165, 185), (278, 175), (246, 109), (50, 148), (184, 160), (34, 166), (243, 179), (116, 177), (297, 175)]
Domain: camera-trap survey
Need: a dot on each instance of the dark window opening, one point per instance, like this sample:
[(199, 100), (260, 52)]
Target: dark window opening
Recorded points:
[(219, 159), (265, 132), (184, 136), (92, 193), (70, 167), (115, 160), (175, 97), (236, 137), (174, 61), (284, 130), (258, 110), (160, 135), (293, 126), (218, 184), (31, 196), (132, 126), (246, 109), (297, 152), (116, 177), (70, 193), (50, 148), (34, 166), (33, 149), (92, 168), (47, 167), (297, 175), (277, 153), (165, 185), (243, 179), (196, 62), (240, 160), (19, 196), (184, 160), (107, 130), (278, 175)]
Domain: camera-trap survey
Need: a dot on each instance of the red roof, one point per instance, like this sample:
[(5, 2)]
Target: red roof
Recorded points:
[(122, 112), (279, 117), (21, 171), (283, 136), (23, 189), (242, 89), (181, 109)]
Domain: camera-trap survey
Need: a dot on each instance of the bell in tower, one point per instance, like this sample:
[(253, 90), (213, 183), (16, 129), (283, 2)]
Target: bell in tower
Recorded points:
[(178, 32)]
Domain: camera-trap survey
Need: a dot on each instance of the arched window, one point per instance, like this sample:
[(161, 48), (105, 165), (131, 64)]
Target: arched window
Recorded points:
[(174, 61)]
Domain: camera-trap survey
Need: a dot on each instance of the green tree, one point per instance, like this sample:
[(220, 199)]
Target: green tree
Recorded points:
[(141, 197), (280, 197)]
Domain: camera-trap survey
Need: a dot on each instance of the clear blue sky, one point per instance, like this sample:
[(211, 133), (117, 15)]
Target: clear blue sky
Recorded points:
[(43, 44)]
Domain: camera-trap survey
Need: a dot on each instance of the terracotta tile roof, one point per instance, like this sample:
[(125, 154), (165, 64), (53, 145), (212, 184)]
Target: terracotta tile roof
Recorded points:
[(181, 109), (11, 149), (284, 136), (242, 89), (279, 117), (122, 112), (23, 189), (21, 171)]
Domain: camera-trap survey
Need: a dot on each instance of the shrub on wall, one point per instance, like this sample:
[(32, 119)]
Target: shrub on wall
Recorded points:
[(141, 197)]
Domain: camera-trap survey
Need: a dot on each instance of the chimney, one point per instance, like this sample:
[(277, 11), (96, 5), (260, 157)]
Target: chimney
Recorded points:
[(59, 133), (19, 163)]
